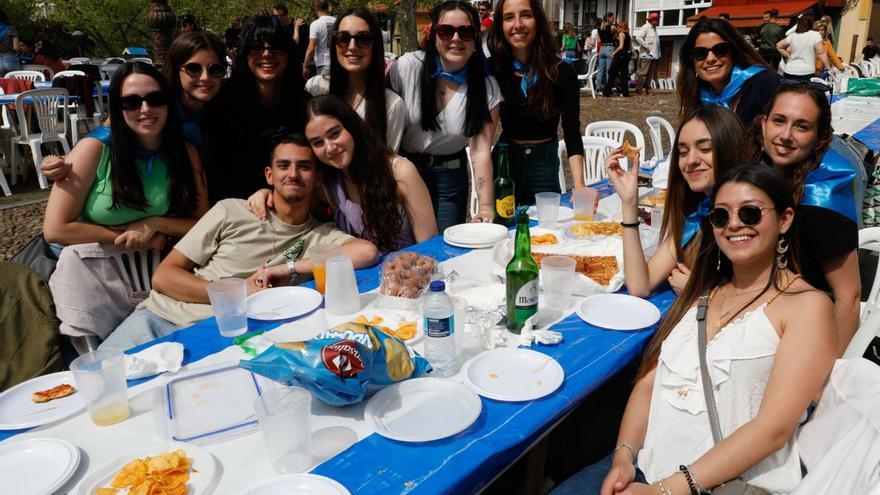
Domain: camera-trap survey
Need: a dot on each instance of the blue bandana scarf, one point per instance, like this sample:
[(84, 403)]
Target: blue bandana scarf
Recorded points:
[(460, 77), (528, 79), (101, 134), (832, 185), (192, 130), (738, 78), (693, 222)]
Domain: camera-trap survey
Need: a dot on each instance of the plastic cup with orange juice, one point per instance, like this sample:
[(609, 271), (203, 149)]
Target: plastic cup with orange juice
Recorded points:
[(318, 256)]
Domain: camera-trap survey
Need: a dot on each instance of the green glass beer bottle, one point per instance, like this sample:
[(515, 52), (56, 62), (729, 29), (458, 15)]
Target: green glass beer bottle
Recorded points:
[(505, 201), (522, 277)]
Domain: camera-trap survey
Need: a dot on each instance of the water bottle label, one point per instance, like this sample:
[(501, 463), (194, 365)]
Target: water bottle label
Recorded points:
[(439, 327), (527, 295)]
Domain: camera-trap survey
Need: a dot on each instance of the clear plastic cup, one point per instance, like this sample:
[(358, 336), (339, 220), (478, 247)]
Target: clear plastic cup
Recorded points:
[(585, 202), (318, 256), (285, 416), (557, 277), (100, 378), (342, 296), (547, 204), (229, 301)]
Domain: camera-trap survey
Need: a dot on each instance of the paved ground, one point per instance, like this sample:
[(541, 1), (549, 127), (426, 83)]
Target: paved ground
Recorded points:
[(21, 215)]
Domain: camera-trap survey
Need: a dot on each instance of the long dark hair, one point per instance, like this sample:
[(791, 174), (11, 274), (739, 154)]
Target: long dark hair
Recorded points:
[(266, 29), (374, 98), (128, 188), (706, 274), (477, 109), (542, 59), (370, 170), (728, 149), (688, 85), (183, 48), (796, 175)]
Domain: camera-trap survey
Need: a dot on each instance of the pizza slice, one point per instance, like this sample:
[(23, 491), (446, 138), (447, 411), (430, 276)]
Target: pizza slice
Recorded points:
[(58, 392)]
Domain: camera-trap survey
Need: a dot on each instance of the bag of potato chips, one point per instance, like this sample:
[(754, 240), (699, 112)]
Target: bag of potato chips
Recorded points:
[(342, 365)]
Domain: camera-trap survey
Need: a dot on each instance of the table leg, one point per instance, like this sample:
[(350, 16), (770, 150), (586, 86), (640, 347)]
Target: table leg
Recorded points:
[(534, 481)]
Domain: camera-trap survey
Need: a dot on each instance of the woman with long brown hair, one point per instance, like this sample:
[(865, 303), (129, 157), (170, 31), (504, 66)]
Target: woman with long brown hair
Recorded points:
[(618, 75), (719, 68), (539, 90)]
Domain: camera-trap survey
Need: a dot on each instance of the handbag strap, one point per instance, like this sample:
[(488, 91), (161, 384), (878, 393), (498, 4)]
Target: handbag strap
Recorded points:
[(702, 307)]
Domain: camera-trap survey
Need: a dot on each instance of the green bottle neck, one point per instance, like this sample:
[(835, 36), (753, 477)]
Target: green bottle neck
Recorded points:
[(523, 243), (502, 163)]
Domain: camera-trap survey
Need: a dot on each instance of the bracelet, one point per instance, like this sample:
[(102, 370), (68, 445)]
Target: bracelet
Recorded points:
[(623, 445), (695, 487), (663, 489), (633, 225), (699, 485), (291, 270)]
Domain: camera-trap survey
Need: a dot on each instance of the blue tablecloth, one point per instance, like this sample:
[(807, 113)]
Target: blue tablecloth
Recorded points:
[(105, 86), (10, 99)]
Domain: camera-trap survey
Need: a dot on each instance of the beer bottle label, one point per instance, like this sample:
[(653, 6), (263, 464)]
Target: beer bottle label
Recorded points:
[(505, 206), (527, 295)]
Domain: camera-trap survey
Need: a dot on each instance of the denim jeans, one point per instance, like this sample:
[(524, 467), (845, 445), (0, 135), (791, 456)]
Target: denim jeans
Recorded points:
[(589, 480), (534, 168), (448, 186), (139, 328), (603, 65), (9, 62)]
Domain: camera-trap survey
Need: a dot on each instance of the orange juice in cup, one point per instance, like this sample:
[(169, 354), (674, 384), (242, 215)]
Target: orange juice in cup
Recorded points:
[(320, 274), (318, 256)]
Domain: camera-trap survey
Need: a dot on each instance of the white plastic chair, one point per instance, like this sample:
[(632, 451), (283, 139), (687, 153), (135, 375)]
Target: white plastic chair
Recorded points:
[(868, 329), (591, 72), (595, 151), (78, 109), (29, 75), (43, 69), (655, 124), (96, 61), (46, 105), (78, 60), (68, 73), (8, 135), (616, 131), (141, 59), (107, 71), (869, 238)]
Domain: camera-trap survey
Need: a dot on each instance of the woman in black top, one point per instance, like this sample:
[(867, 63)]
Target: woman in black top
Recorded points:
[(538, 90), (263, 97), (618, 75), (719, 68), (606, 49)]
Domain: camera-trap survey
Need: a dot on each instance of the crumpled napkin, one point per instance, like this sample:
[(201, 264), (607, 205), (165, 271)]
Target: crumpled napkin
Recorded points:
[(167, 356), (530, 333)]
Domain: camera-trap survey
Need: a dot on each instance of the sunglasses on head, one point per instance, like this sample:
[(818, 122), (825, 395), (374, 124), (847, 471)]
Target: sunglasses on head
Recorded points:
[(722, 49), (258, 49), (134, 102), (193, 69), (361, 40), (465, 33), (749, 215)]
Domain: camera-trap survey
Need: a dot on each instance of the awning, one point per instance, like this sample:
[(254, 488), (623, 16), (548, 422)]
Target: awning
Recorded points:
[(749, 13)]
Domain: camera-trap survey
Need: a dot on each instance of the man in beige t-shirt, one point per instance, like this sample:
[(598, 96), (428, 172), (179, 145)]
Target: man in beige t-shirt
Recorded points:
[(229, 241)]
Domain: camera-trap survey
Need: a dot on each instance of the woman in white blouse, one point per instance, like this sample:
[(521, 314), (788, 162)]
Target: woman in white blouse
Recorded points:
[(771, 346), (801, 49), (451, 103)]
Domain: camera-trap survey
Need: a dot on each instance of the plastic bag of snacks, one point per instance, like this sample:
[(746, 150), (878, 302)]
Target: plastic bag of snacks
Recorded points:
[(406, 274), (342, 365)]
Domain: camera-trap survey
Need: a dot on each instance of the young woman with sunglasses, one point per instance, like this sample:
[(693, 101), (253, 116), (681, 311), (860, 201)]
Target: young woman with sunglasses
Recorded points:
[(453, 103), (709, 141), (719, 68), (771, 348), (540, 91), (801, 49), (795, 136), (357, 75), (263, 98)]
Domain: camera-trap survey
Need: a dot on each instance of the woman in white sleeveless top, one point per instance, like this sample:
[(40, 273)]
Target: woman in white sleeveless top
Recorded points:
[(771, 346)]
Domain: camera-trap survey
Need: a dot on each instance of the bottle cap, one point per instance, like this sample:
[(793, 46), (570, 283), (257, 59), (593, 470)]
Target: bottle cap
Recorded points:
[(438, 286)]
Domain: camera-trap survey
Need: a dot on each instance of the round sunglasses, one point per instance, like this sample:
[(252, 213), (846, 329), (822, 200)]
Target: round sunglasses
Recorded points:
[(722, 49), (361, 40), (446, 31), (195, 70), (749, 215), (134, 102)]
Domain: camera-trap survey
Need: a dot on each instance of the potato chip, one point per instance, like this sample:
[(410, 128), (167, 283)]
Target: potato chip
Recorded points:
[(164, 474), (106, 491)]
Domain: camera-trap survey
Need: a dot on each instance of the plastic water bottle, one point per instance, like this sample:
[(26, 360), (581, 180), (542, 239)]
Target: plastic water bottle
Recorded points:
[(439, 326)]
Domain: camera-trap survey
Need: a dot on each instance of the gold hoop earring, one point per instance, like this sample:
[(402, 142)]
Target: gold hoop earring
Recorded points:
[(781, 249)]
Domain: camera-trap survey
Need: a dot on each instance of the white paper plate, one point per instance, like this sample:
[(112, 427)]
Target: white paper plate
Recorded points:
[(282, 303), (17, 410), (203, 477), (565, 213), (513, 375), (37, 466), (618, 312), (474, 235), (422, 409), (392, 318), (296, 484)]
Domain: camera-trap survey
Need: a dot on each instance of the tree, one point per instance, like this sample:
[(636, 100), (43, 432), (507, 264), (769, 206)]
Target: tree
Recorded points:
[(112, 25)]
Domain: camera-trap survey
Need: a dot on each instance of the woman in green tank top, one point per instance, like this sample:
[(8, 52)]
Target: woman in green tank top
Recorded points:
[(136, 183)]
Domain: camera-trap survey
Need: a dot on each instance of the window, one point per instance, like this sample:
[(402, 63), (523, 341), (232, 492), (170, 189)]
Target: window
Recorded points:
[(669, 18)]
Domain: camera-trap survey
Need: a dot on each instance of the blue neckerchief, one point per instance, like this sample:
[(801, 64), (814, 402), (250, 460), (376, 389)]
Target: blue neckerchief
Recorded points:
[(192, 130), (738, 78), (3, 29), (832, 185), (149, 156), (693, 222), (528, 79), (460, 77), (101, 134)]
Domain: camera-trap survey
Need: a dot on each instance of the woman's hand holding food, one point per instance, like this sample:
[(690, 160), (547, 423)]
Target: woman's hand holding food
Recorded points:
[(626, 182), (55, 167)]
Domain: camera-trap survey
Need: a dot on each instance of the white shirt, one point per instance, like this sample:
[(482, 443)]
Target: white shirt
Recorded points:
[(740, 360), (394, 109), (449, 138), (319, 30), (803, 53)]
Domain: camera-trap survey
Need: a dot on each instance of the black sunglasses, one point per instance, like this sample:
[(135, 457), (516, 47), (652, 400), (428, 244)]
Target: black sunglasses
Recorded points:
[(722, 49), (134, 102), (446, 31), (258, 49), (193, 69), (362, 40), (749, 215)]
